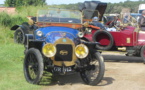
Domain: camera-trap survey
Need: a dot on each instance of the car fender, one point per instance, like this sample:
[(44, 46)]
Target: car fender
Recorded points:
[(15, 27), (25, 27)]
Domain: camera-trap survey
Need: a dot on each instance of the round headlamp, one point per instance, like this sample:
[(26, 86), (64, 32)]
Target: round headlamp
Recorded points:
[(49, 50), (89, 30), (39, 33), (80, 34), (81, 51)]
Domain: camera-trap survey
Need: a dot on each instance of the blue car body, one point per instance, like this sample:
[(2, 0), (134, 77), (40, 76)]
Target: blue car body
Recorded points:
[(53, 33)]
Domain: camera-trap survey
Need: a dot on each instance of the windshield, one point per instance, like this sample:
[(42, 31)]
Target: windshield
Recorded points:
[(59, 16), (89, 14)]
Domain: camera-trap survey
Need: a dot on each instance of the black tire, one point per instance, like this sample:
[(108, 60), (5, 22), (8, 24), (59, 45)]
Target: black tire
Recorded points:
[(88, 75), (143, 54), (19, 36), (33, 66), (101, 34)]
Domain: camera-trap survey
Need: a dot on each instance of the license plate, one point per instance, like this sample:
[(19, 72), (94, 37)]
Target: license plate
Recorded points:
[(60, 69)]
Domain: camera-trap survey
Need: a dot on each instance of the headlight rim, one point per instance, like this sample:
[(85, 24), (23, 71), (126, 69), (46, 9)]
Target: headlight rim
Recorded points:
[(38, 33), (79, 34), (86, 48), (52, 54)]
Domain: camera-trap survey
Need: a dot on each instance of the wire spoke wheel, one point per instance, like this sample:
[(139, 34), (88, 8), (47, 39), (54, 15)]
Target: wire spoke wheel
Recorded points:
[(19, 36), (33, 66), (95, 73)]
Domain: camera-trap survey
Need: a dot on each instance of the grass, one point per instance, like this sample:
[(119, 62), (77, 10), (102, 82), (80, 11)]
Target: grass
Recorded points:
[(11, 68), (11, 64), (12, 55)]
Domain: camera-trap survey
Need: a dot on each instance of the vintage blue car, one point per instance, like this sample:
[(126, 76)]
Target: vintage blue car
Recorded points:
[(54, 45)]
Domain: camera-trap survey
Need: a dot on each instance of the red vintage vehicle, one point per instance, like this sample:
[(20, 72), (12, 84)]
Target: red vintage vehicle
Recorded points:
[(126, 37)]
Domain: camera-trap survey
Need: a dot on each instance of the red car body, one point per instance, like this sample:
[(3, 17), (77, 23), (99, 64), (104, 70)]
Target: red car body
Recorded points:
[(125, 37), (129, 37)]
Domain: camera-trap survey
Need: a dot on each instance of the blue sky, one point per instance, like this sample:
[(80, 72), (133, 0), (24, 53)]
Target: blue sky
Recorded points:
[(49, 2)]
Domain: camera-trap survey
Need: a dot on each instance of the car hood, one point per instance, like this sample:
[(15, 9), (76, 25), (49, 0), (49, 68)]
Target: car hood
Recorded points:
[(52, 33)]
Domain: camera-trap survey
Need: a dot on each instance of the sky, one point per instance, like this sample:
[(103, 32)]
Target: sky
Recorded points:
[(50, 2)]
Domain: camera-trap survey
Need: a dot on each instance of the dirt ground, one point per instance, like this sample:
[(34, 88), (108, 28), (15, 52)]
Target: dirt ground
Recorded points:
[(121, 73)]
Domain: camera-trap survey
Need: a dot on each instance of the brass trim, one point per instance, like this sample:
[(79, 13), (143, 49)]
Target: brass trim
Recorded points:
[(127, 40), (66, 63)]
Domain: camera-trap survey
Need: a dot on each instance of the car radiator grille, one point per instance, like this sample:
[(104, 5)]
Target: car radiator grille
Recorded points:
[(64, 52)]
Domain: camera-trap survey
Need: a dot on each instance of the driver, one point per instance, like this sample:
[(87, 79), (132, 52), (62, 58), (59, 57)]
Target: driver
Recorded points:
[(95, 22)]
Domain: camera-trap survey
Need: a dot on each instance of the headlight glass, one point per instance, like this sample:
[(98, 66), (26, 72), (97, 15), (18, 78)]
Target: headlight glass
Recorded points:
[(39, 33), (80, 34), (81, 51), (49, 50)]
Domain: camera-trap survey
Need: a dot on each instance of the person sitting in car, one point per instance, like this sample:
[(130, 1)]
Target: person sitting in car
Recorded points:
[(95, 22)]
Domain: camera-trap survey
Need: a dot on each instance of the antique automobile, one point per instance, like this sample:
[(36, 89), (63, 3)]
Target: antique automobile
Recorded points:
[(54, 45), (127, 37)]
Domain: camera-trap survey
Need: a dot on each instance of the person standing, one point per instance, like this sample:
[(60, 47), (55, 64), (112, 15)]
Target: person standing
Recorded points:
[(141, 21)]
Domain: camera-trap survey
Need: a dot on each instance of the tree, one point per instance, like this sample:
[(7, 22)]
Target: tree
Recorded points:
[(16, 3)]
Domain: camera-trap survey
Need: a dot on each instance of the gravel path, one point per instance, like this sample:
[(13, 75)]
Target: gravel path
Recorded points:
[(121, 73)]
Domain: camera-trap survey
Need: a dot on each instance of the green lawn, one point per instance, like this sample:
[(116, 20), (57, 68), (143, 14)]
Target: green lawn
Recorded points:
[(11, 54), (11, 64), (11, 68)]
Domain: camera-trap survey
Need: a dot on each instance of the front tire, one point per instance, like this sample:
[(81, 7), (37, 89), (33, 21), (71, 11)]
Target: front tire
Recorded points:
[(95, 75), (33, 66)]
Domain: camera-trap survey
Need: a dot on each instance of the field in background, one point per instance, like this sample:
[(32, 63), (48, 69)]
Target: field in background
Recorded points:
[(20, 16), (11, 55)]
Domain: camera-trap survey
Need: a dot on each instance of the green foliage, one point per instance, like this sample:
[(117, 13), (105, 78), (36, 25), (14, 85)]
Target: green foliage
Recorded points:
[(10, 20), (25, 11), (6, 36), (16, 3), (111, 7), (66, 6), (20, 16), (117, 7)]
